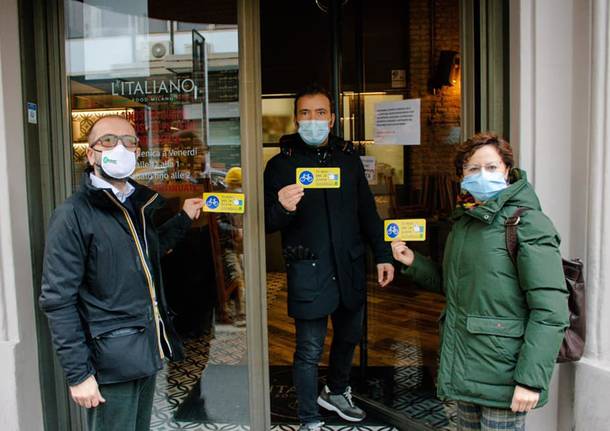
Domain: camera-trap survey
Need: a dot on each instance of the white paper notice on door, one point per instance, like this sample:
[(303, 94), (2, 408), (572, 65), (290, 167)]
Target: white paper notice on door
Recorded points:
[(398, 123)]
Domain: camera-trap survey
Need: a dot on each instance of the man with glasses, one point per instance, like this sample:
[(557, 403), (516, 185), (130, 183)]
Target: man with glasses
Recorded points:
[(102, 288)]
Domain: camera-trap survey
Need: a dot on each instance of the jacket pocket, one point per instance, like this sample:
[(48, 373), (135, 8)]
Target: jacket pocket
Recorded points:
[(303, 283), (124, 354), (103, 274), (493, 345)]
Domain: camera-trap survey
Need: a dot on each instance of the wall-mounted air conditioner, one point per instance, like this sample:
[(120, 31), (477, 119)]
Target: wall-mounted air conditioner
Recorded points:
[(159, 50)]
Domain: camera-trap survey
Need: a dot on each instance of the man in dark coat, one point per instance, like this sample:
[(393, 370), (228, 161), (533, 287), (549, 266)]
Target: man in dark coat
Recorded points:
[(102, 287), (323, 234)]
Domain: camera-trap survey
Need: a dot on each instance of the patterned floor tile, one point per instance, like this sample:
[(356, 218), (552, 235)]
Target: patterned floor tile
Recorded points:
[(227, 346)]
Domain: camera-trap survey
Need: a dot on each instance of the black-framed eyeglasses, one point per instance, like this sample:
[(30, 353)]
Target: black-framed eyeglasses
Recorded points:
[(110, 141)]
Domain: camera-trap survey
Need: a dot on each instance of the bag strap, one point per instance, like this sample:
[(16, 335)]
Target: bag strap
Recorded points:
[(511, 224)]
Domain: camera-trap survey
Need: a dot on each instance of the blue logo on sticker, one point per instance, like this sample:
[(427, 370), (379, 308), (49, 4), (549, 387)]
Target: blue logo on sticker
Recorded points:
[(212, 202), (306, 178), (393, 230)]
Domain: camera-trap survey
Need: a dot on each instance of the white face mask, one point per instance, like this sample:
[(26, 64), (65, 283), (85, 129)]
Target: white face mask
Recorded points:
[(118, 163)]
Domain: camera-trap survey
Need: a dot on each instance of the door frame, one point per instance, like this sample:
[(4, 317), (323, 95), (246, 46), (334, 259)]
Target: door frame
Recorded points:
[(251, 125), (48, 180)]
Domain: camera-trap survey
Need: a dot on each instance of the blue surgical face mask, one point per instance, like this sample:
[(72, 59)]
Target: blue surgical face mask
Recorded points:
[(484, 185), (314, 132)]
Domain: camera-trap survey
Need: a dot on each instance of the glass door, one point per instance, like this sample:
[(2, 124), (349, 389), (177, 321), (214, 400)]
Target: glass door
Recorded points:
[(391, 52), (172, 70), (414, 61), (399, 354)]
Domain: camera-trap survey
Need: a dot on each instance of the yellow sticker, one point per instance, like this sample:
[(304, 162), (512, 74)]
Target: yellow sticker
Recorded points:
[(405, 230), (319, 178), (224, 203)]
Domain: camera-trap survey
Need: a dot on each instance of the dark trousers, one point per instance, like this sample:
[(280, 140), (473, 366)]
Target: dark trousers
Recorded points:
[(310, 335), (128, 406)]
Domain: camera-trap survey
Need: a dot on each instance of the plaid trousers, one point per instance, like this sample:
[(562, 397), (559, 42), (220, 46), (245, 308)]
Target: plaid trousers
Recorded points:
[(476, 417)]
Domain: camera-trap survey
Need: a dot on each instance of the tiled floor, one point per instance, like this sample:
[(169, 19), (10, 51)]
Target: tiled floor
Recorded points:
[(336, 428), (228, 427), (228, 347)]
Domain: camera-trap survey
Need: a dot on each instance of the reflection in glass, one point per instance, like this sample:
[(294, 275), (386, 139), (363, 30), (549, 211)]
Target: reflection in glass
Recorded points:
[(177, 83), (278, 118)]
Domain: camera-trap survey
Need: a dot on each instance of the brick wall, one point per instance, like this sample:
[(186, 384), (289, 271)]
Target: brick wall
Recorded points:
[(441, 111)]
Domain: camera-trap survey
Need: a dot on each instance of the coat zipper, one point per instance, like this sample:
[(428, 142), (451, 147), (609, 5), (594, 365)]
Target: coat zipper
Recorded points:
[(163, 332), (147, 273), (151, 200)]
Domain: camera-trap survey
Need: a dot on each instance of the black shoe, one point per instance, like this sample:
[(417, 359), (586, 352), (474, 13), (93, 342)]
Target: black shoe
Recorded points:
[(342, 404)]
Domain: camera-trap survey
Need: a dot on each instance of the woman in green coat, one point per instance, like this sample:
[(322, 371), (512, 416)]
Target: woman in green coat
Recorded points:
[(503, 324)]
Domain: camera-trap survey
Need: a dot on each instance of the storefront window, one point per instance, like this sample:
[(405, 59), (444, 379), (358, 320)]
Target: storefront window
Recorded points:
[(174, 76)]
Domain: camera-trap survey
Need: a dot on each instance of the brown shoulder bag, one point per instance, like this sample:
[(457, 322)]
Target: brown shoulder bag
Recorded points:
[(573, 345)]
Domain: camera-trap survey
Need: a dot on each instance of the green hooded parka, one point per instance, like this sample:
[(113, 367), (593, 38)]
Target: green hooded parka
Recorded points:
[(503, 324)]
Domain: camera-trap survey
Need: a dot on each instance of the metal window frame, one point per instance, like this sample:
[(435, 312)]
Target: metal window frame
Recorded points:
[(46, 159), (250, 99)]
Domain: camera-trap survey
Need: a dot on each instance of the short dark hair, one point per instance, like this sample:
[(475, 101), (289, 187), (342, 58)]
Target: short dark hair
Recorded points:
[(465, 150), (312, 90)]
